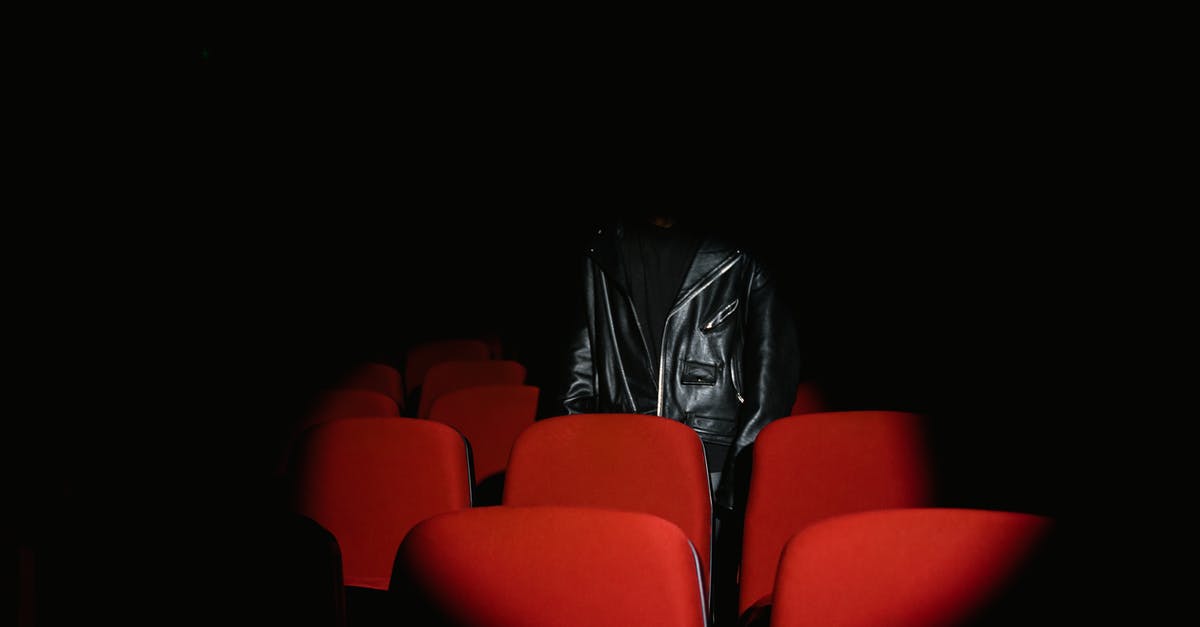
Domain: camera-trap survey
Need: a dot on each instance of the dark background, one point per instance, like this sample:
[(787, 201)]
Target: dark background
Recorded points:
[(230, 212)]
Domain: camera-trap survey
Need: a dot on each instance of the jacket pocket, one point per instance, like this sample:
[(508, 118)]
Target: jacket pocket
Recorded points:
[(719, 319), (697, 373), (712, 428)]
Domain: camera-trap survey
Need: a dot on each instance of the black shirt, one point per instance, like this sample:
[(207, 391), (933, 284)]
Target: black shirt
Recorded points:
[(656, 261)]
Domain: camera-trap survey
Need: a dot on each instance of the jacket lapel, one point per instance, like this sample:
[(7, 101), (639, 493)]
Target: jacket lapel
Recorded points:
[(603, 251), (709, 261)]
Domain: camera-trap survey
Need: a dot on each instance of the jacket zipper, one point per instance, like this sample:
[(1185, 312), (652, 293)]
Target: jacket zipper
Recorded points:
[(733, 375), (612, 331), (722, 315), (663, 344)]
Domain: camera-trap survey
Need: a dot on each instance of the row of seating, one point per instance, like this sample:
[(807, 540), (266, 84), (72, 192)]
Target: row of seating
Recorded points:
[(491, 416), (422, 380), (380, 381), (451, 393), (407, 384), (370, 480), (374, 390), (550, 566)]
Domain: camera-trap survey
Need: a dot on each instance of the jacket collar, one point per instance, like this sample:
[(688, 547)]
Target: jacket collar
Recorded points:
[(710, 256), (710, 260)]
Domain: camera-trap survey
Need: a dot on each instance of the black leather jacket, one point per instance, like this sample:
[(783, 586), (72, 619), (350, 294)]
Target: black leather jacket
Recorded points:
[(729, 361)]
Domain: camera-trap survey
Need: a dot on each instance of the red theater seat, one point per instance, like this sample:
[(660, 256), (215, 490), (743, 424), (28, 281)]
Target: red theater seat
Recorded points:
[(814, 466), (902, 568), (334, 405), (809, 399), (420, 358), (449, 376), (345, 403), (490, 417), (547, 567), (369, 480), (629, 462), (375, 377)]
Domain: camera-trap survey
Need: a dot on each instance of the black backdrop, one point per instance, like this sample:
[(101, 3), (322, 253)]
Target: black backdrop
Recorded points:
[(278, 203), (199, 362)]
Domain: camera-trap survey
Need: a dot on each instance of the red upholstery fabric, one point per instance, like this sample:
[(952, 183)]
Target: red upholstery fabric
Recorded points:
[(421, 357), (346, 403), (809, 399), (817, 465), (369, 480), (902, 568), (449, 376), (620, 461), (334, 405), (490, 417), (549, 567), (375, 377)]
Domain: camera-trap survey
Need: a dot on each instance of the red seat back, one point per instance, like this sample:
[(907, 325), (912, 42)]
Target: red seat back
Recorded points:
[(334, 405), (350, 403), (449, 376), (813, 466), (375, 377), (904, 567), (369, 480), (630, 462), (490, 417), (548, 567), (809, 399), (420, 358)]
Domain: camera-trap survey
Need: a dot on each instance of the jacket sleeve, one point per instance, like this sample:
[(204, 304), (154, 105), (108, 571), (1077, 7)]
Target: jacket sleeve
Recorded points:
[(578, 390), (771, 371)]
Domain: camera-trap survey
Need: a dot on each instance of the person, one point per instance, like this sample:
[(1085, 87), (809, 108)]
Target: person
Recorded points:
[(676, 322)]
